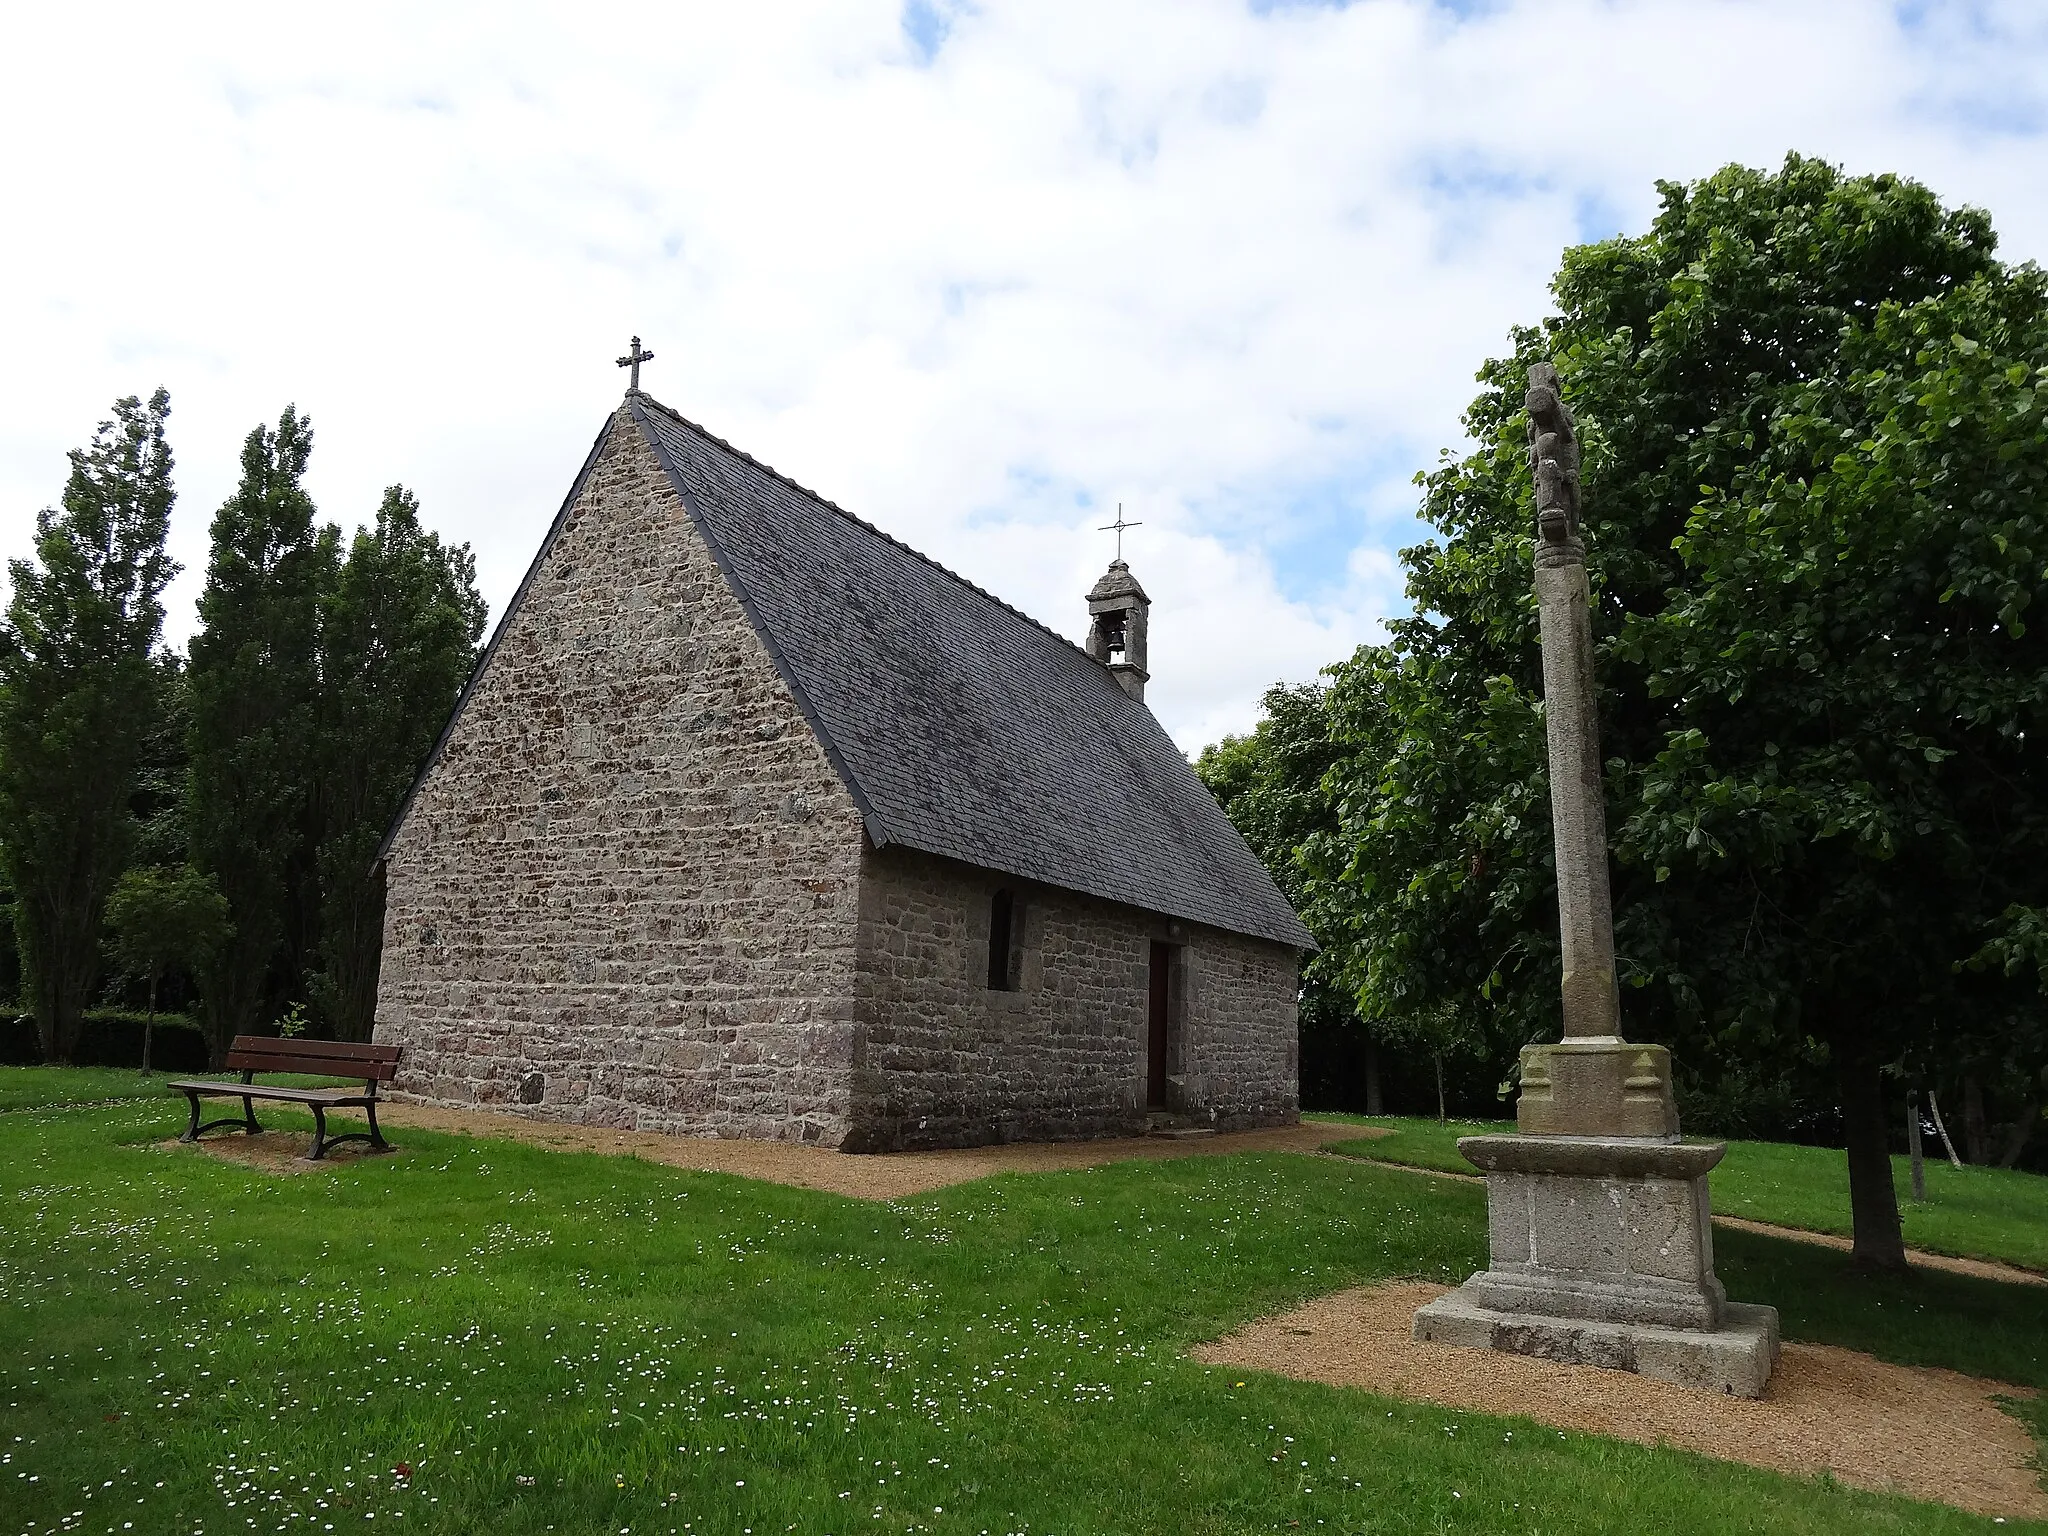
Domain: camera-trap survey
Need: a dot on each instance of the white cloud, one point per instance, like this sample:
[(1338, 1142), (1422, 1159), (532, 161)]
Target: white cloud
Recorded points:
[(1219, 265)]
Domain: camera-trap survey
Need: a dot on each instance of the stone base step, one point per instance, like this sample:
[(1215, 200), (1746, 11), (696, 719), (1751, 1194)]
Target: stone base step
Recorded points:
[(1736, 1359), (1175, 1126)]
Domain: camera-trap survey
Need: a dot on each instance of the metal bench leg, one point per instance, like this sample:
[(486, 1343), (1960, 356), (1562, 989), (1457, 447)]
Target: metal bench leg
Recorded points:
[(319, 1135), (377, 1141), (192, 1130), (249, 1124)]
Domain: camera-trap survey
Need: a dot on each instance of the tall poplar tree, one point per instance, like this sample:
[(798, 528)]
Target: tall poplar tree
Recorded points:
[(251, 689), (77, 702), (160, 774), (399, 633)]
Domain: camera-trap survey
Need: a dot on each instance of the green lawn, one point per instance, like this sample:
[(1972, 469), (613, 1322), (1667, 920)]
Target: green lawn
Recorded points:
[(574, 1343), (31, 1087), (26, 1087), (1980, 1213)]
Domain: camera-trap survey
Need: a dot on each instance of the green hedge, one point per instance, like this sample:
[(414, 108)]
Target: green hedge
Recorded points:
[(112, 1038)]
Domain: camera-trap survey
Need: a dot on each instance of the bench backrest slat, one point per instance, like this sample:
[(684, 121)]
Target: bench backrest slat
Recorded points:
[(320, 1058)]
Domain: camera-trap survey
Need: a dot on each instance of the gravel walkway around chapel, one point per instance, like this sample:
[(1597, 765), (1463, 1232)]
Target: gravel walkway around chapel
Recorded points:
[(885, 1176)]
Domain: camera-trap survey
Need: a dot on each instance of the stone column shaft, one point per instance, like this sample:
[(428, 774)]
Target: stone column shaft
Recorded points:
[(1578, 810), (1592, 1082)]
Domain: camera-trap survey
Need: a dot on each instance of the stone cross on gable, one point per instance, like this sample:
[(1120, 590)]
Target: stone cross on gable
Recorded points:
[(1118, 528), (633, 360)]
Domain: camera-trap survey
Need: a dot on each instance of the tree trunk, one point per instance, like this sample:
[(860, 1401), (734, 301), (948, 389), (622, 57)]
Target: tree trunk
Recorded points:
[(42, 1005), (2022, 1133), (1873, 1201), (1976, 1133), (149, 1023), (58, 976), (1441, 1115), (1375, 1104), (1913, 1145), (351, 949), (232, 984)]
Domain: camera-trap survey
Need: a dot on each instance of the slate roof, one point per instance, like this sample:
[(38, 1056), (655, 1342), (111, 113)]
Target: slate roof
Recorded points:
[(960, 726)]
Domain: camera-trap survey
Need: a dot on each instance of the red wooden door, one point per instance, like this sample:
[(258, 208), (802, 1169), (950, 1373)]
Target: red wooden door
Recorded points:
[(1155, 1020)]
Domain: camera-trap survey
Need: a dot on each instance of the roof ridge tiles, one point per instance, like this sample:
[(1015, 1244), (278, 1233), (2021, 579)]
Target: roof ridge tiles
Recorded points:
[(860, 522)]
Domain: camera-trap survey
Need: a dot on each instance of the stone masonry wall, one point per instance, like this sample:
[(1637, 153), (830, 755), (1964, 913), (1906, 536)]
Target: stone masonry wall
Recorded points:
[(945, 1061), (1240, 1057), (628, 892)]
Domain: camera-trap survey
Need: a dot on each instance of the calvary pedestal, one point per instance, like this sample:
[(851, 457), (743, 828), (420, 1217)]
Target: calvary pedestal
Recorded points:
[(1600, 1233), (1602, 1253)]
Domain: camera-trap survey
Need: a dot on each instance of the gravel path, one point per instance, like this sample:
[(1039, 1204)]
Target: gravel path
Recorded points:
[(1983, 1269), (887, 1176), (1929, 1434)]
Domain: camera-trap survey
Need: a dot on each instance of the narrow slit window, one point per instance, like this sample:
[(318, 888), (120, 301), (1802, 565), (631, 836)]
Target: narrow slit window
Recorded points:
[(1001, 907)]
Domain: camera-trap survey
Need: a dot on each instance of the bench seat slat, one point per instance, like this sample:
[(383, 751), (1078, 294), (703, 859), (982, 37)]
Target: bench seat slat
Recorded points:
[(341, 1096)]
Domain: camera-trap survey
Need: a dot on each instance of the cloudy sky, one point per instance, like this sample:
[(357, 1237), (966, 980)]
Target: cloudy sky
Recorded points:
[(978, 272)]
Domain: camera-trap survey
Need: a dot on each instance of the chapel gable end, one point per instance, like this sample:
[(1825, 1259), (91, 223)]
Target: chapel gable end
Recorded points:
[(629, 839)]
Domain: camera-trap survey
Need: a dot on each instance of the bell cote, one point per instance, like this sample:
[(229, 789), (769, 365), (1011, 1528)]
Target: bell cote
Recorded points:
[(1116, 633)]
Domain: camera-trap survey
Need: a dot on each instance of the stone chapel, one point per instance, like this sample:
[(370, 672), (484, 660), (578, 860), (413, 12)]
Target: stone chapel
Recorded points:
[(755, 822)]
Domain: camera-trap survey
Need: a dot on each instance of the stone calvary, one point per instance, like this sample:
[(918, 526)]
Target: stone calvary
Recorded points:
[(755, 822), (1600, 1232)]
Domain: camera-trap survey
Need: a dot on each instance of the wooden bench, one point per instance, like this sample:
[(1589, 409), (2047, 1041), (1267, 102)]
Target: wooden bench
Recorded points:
[(251, 1054)]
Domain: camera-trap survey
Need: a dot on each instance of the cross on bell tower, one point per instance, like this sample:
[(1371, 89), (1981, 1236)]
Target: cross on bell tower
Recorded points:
[(1118, 528), (633, 360)]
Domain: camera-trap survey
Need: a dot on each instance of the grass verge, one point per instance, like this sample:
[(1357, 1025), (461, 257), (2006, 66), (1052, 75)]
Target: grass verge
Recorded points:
[(1976, 1213), (52, 1087)]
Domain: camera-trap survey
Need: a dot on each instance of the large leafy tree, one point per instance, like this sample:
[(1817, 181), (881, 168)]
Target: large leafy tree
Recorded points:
[(251, 690), (1810, 513), (399, 632), (1853, 785), (78, 695)]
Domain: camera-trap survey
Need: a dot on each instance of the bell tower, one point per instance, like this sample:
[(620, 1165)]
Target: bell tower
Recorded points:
[(1117, 607)]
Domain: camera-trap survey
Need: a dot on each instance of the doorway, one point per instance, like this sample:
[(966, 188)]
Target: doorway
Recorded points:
[(1158, 1025)]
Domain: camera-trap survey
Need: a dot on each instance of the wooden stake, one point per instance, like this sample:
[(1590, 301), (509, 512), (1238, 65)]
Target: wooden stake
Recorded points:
[(1913, 1145)]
